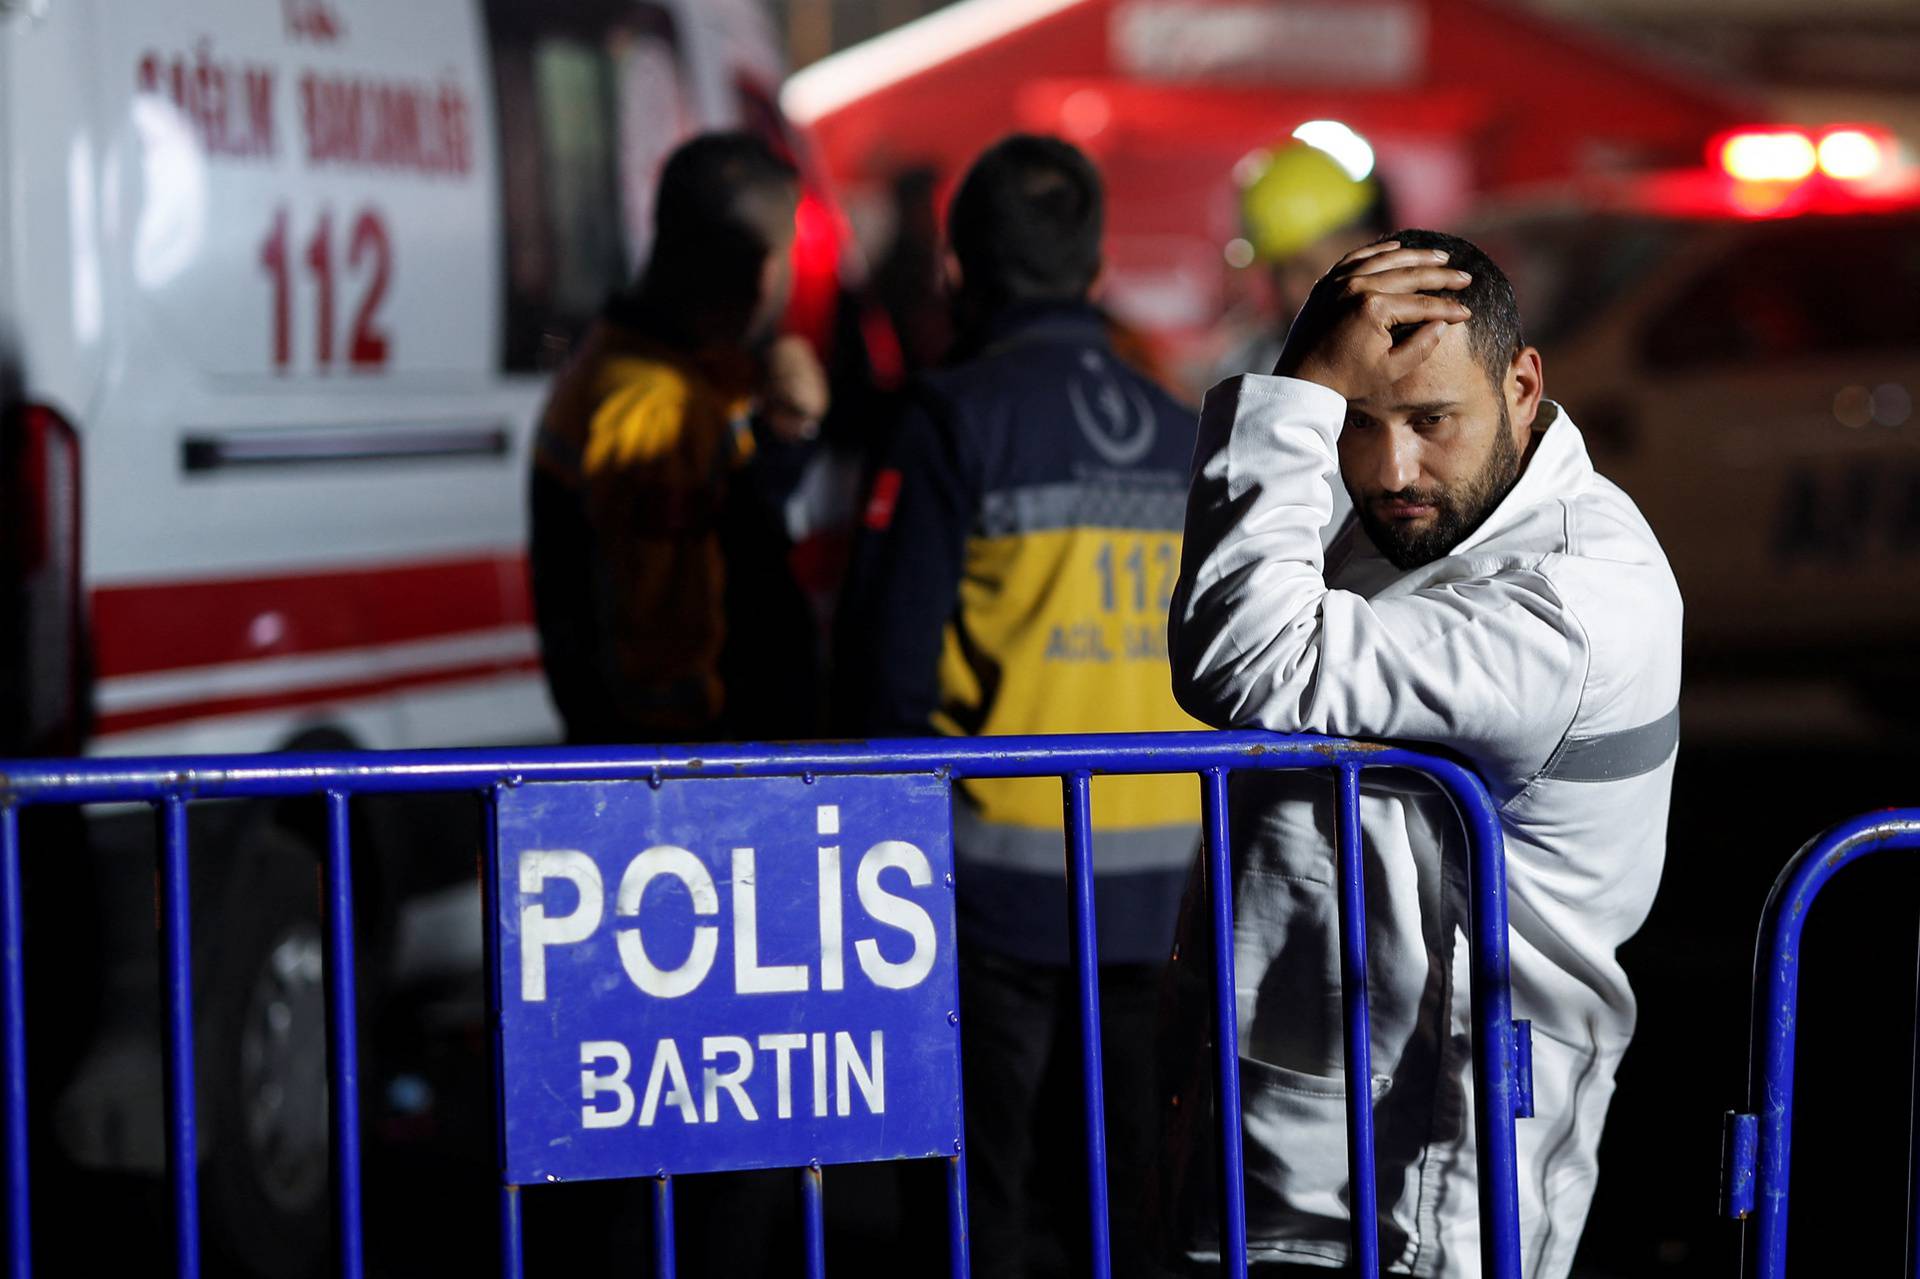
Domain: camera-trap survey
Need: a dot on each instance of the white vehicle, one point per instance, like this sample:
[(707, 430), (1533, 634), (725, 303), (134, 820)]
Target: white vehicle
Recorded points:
[(1741, 346), (279, 284)]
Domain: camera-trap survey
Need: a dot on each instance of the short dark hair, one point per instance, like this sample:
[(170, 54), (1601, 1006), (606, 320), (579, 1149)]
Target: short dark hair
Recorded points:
[(1027, 219), (1494, 329), (719, 178), (722, 202)]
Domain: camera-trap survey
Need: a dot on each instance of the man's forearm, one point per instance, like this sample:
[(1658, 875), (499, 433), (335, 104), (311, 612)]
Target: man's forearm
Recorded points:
[(1245, 615)]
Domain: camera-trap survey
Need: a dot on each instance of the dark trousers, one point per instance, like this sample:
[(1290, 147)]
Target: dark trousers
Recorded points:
[(1026, 1139)]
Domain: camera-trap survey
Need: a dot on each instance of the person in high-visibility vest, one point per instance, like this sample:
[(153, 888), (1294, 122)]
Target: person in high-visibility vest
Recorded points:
[(1011, 575), (681, 413)]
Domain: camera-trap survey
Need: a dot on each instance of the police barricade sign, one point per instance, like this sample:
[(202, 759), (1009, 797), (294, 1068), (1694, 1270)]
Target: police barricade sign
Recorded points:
[(714, 973)]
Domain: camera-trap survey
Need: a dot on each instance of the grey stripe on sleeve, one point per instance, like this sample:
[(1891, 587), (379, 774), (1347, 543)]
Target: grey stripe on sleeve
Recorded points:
[(1613, 757)]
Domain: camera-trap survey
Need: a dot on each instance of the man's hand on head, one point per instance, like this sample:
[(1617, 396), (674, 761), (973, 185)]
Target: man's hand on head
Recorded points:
[(1343, 337)]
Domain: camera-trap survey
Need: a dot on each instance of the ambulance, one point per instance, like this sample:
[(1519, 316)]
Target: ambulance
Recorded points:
[(281, 282)]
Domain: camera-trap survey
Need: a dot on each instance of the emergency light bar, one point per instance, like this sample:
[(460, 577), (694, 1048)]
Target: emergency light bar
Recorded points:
[(1790, 153)]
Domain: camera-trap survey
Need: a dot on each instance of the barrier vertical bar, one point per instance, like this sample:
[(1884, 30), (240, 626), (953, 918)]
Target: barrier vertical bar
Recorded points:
[(512, 1251), (1775, 1016), (1775, 1021), (1913, 1132), (512, 1241), (814, 1215), (1362, 1178), (959, 1247), (1226, 1024), (177, 943), (343, 1040), (1078, 789), (1491, 998), (664, 1251), (13, 994)]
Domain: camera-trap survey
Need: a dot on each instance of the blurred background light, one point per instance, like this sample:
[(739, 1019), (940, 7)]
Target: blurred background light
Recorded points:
[(1892, 404), (1760, 199), (1783, 155), (1354, 152), (1250, 166), (1849, 154), (172, 225), (1085, 114), (1853, 406)]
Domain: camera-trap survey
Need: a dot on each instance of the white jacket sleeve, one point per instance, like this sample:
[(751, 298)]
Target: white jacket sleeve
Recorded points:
[(1490, 665)]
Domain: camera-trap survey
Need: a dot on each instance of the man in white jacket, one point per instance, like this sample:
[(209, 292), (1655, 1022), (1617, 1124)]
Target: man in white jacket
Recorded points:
[(1493, 597)]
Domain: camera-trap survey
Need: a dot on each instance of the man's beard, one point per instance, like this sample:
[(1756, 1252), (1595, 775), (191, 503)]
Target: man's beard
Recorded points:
[(1457, 511)]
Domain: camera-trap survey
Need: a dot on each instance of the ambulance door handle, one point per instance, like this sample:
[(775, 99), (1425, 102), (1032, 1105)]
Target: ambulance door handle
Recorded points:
[(334, 445)]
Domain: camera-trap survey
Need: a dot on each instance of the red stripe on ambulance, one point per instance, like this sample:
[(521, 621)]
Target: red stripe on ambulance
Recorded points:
[(168, 626)]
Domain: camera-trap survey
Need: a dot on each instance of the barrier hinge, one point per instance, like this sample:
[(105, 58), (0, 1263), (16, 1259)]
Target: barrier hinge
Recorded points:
[(1522, 1068), (1741, 1140)]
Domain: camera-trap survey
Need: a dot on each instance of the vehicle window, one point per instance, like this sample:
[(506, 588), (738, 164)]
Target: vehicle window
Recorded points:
[(1793, 290), (591, 97), (1568, 269)]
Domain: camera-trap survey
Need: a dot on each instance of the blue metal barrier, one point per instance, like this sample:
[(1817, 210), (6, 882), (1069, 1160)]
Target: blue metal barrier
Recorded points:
[(1502, 1088), (1757, 1158)]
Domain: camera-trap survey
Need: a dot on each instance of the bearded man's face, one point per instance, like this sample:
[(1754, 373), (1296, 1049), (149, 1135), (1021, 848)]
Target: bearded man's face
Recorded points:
[(1427, 463)]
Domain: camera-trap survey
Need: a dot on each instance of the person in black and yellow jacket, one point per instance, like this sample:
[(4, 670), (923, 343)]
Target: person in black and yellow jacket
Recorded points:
[(665, 610), (1012, 573), (666, 442)]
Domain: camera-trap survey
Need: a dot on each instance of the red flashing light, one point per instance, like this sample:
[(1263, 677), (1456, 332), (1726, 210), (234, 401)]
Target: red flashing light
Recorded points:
[(816, 273), (1761, 199), (1777, 155), (1711, 194), (1791, 154)]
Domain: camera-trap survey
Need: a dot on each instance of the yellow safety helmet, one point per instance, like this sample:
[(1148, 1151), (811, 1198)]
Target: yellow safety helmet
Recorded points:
[(1298, 195)]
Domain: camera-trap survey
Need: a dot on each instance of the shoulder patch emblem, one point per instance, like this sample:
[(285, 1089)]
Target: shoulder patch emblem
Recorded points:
[(1116, 419)]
